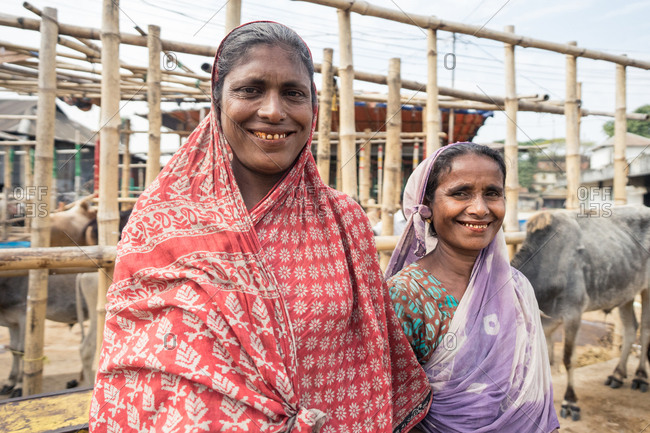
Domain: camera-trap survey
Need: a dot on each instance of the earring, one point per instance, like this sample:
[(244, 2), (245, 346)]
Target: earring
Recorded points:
[(428, 220)]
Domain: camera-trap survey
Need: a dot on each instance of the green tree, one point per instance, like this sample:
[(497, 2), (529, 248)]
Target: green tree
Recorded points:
[(527, 167), (639, 127)]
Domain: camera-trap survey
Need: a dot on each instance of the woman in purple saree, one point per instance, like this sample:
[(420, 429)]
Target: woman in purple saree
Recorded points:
[(472, 319)]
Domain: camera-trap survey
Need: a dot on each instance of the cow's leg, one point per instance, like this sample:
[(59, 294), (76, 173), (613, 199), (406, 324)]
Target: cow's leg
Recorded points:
[(626, 312), (641, 376), (87, 284), (569, 405), (550, 326), (16, 345)]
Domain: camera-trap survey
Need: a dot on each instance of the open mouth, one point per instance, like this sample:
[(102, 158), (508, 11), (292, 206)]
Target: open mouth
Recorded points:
[(475, 226), (270, 136)]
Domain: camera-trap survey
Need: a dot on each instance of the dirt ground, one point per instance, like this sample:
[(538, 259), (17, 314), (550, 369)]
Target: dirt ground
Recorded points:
[(603, 409)]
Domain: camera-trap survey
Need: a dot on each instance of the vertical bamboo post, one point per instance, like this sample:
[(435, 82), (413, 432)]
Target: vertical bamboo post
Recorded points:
[(37, 291), (77, 164), (108, 215), (364, 170), (380, 175), (233, 15), (154, 76), (511, 152), (339, 171), (432, 109), (620, 130), (572, 133), (325, 116), (8, 173), (451, 122), (126, 164), (393, 153), (347, 127)]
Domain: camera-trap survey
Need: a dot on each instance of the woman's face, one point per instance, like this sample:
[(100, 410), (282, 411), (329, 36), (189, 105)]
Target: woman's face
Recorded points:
[(266, 110), (469, 204)]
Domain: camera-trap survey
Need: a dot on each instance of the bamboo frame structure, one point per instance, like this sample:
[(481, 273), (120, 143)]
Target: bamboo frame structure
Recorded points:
[(620, 130), (511, 152), (126, 164), (347, 126), (325, 116), (153, 102), (37, 290), (572, 132)]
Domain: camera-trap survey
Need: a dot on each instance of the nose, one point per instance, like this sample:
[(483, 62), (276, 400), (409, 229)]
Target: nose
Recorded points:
[(478, 206), (271, 107)]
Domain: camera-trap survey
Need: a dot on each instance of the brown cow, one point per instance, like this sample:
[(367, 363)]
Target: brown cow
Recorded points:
[(68, 227)]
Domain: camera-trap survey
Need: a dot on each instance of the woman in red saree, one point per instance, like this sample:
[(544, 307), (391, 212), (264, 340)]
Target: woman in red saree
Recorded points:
[(247, 294)]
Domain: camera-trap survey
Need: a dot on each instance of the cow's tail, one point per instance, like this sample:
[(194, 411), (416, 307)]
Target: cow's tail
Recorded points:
[(79, 301)]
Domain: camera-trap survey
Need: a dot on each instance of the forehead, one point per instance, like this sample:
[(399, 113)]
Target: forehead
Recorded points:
[(472, 168), (272, 61)]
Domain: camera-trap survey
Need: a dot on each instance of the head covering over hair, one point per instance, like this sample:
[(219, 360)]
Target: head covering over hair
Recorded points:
[(274, 319), (491, 373)]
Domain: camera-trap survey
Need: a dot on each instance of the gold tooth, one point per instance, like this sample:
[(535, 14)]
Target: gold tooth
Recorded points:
[(276, 136)]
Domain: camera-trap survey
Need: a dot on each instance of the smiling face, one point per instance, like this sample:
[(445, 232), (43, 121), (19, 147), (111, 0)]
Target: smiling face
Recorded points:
[(469, 204), (266, 111)]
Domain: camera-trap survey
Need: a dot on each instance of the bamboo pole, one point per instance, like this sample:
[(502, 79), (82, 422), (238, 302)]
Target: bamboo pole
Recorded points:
[(393, 154), (347, 126), (126, 163), (511, 145), (365, 156), (77, 164), (108, 215), (451, 121), (325, 117), (433, 110), (96, 34), (431, 22), (56, 258), (416, 153), (233, 15), (153, 99), (572, 133), (620, 131), (37, 291)]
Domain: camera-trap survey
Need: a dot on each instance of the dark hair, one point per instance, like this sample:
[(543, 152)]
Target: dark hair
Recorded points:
[(442, 165), (242, 39)]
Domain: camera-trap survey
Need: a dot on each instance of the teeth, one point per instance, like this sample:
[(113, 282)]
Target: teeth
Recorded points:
[(476, 226), (265, 136)]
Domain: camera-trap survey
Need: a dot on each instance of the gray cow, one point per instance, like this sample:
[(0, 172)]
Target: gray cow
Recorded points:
[(68, 298), (577, 263)]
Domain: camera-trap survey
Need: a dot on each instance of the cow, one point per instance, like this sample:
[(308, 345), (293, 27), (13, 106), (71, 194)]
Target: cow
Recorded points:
[(91, 233), (579, 262), (70, 299), (68, 227)]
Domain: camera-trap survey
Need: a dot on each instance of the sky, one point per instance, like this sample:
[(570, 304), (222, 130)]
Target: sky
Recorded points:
[(602, 25)]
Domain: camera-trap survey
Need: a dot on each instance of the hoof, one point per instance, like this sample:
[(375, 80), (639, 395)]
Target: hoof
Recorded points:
[(571, 410), (17, 392), (640, 384), (613, 382), (72, 384), (6, 389)]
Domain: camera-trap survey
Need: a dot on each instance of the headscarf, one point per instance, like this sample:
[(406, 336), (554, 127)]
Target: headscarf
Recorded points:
[(491, 371), (271, 320)]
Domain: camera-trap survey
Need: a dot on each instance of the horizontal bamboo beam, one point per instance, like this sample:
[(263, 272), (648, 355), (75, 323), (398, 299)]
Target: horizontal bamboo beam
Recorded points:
[(55, 258), (94, 34), (18, 143), (17, 116), (431, 22)]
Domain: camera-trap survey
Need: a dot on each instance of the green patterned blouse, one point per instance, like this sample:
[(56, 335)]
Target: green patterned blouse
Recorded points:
[(423, 306)]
